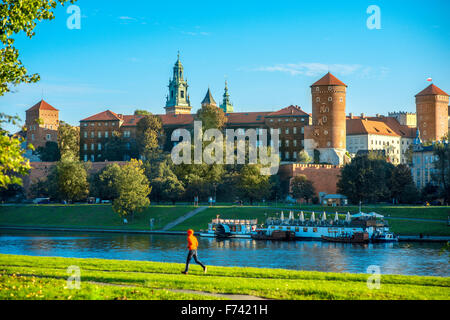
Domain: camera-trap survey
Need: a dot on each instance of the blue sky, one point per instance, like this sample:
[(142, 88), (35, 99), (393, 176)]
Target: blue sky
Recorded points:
[(270, 52)]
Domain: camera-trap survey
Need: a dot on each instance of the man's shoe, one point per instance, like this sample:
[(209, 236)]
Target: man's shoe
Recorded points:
[(184, 272), (205, 270)]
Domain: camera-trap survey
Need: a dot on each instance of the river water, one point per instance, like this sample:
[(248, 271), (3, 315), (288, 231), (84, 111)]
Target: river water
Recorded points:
[(391, 258)]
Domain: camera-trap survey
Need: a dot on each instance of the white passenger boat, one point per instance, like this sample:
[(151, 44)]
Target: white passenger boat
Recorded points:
[(230, 228)]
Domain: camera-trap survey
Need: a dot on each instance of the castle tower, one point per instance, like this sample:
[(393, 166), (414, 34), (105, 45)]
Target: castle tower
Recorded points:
[(42, 123), (226, 105), (327, 134), (209, 100), (178, 99), (432, 113)]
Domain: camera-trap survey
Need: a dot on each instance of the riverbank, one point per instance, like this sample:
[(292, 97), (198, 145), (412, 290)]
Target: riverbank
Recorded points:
[(24, 277), (426, 221)]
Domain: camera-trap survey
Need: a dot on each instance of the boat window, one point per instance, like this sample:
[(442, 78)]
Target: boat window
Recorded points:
[(305, 229), (315, 230), (297, 229)]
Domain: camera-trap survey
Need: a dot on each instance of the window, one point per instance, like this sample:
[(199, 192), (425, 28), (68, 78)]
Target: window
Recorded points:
[(92, 134), (303, 130), (127, 134), (318, 99), (182, 94), (99, 124), (85, 147), (295, 130), (341, 99), (287, 131), (330, 99), (295, 156), (287, 143), (288, 155), (317, 89), (92, 147), (49, 137), (106, 134), (32, 137), (85, 134), (85, 158), (99, 146), (295, 143), (99, 134), (92, 158)]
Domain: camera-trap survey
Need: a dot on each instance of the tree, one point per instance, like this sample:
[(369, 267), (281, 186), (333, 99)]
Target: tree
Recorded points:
[(302, 188), (69, 141), (133, 190), (303, 157), (403, 189), (68, 180), (442, 166), (142, 113), (149, 135), (105, 183), (20, 16), (252, 185), (114, 147), (13, 164), (211, 117), (49, 153), (367, 178)]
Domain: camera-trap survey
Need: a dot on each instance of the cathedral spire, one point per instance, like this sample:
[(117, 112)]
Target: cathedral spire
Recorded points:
[(226, 105), (178, 99)]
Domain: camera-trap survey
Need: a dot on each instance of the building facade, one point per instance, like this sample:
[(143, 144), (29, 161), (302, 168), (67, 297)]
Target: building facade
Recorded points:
[(178, 102)]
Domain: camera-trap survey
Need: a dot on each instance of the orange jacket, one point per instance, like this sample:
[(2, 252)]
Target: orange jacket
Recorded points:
[(192, 240)]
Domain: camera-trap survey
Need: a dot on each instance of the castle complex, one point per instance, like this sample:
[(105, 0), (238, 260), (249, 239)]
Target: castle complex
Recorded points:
[(328, 135)]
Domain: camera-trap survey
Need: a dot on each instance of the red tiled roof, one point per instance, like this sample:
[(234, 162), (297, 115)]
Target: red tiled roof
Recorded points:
[(104, 116), (42, 105), (401, 130), (246, 117), (177, 119), (291, 110), (431, 90), (329, 80), (365, 126), (131, 121)]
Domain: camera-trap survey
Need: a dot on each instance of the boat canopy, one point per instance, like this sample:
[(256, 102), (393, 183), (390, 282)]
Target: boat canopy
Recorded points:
[(372, 215)]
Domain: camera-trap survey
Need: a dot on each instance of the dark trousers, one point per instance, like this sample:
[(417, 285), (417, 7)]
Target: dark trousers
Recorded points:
[(193, 254)]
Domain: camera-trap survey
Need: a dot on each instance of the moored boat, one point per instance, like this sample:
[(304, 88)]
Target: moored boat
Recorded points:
[(357, 237)]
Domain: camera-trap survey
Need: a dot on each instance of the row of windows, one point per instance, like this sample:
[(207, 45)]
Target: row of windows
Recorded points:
[(105, 134), (48, 137), (99, 124), (330, 99), (288, 119), (296, 229)]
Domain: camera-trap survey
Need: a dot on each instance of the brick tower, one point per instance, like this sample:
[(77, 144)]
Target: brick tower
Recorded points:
[(42, 122), (325, 139), (432, 113)]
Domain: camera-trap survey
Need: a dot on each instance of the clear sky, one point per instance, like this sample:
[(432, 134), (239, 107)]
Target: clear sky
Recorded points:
[(270, 51)]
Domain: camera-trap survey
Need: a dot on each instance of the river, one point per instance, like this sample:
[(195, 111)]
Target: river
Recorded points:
[(392, 258)]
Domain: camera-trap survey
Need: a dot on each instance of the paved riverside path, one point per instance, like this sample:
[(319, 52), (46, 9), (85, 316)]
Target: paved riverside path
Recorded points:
[(183, 218)]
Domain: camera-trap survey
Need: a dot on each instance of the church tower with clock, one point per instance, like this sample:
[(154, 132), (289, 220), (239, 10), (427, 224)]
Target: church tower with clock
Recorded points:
[(178, 99), (325, 139)]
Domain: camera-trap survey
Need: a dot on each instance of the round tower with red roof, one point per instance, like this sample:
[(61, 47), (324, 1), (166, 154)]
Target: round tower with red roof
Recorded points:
[(327, 135)]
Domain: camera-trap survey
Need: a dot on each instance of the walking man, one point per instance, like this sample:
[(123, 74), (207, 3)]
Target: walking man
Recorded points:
[(192, 246)]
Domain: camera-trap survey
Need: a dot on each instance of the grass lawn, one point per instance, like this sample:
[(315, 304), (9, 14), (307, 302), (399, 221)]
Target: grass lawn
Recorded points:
[(89, 216), (23, 277)]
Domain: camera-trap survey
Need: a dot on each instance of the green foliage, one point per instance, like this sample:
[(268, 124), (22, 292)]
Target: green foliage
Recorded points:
[(442, 165), (302, 188), (105, 183), (142, 113), (252, 185), (68, 181), (303, 157), (20, 16), (114, 147), (367, 178), (150, 136), (49, 153), (68, 141), (403, 189), (133, 190), (211, 117), (13, 165)]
